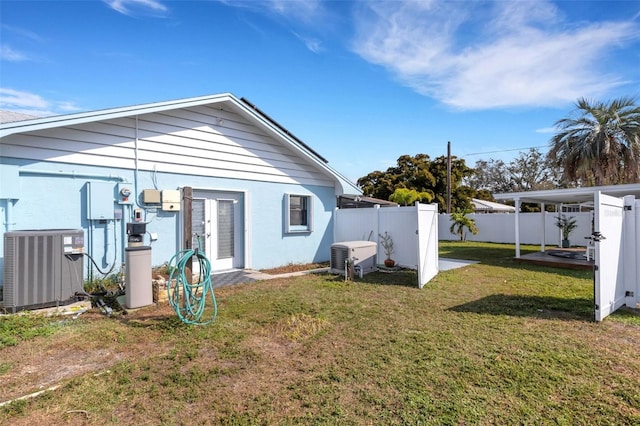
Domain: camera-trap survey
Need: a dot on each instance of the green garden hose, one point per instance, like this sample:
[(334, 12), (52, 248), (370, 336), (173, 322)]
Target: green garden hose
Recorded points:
[(187, 299)]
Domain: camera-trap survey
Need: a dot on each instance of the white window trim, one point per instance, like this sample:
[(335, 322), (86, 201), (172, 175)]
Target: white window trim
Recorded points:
[(293, 229)]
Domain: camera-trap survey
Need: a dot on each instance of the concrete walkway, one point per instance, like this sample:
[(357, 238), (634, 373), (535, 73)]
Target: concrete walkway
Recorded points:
[(445, 264)]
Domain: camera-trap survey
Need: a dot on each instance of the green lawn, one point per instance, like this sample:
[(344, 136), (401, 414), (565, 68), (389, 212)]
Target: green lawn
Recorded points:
[(492, 343)]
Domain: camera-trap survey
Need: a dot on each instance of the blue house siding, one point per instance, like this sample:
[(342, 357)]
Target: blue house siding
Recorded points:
[(58, 199), (66, 173)]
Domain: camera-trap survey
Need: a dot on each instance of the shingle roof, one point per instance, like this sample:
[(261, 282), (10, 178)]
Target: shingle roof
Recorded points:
[(12, 116)]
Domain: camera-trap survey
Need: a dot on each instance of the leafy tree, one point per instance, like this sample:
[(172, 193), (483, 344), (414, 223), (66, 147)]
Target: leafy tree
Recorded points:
[(378, 184), (460, 222), (423, 175), (491, 175), (415, 172), (460, 194), (484, 194), (599, 143), (529, 171), (407, 197)]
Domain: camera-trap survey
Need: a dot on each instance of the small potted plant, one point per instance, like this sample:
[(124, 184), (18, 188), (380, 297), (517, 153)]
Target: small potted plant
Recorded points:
[(387, 244), (566, 225)]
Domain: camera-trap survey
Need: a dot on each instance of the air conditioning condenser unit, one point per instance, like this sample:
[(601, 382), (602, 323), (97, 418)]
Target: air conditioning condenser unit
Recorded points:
[(42, 268), (362, 253)]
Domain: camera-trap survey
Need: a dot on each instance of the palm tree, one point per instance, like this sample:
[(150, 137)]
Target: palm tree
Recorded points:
[(600, 143), (460, 221)]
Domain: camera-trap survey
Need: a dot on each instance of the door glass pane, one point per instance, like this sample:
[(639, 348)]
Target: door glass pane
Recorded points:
[(225, 229), (197, 224)]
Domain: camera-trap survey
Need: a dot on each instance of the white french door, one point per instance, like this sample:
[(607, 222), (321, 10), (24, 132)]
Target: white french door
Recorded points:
[(217, 229)]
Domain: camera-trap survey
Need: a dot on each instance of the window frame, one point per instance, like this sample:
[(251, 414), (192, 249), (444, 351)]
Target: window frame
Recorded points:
[(307, 201)]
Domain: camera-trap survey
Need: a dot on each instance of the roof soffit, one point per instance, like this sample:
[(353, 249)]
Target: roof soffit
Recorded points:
[(571, 195)]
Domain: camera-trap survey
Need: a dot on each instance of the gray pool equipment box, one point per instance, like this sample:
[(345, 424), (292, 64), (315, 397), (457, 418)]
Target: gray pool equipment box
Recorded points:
[(139, 289)]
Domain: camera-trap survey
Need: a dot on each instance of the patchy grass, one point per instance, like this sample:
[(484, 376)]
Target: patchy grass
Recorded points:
[(491, 343), (295, 267), (25, 326)]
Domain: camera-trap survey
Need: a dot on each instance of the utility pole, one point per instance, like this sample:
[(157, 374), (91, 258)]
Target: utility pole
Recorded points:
[(448, 177)]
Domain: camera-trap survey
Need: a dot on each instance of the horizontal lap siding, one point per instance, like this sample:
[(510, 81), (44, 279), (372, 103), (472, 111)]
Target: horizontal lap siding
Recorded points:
[(201, 141)]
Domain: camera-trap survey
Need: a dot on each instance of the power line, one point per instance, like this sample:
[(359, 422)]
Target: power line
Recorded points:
[(505, 150)]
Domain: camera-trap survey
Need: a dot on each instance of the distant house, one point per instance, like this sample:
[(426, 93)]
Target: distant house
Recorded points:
[(350, 201), (213, 172), (484, 206)]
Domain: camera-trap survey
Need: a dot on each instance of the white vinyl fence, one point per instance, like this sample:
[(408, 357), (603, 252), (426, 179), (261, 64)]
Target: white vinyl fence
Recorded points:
[(500, 228), (414, 231)]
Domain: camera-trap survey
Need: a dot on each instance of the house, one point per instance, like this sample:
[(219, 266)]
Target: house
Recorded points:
[(350, 201), (484, 206), (212, 172)]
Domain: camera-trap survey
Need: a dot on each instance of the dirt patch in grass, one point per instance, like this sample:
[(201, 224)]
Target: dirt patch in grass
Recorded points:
[(44, 362), (295, 267)]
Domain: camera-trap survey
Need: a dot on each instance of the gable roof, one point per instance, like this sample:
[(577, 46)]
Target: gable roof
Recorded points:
[(241, 106)]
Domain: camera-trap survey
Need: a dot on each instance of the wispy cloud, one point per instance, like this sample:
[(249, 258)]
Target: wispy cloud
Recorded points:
[(23, 33), (33, 104), (306, 11), (7, 53), (546, 130), (138, 7), (302, 11), (304, 16), (311, 43), (490, 55)]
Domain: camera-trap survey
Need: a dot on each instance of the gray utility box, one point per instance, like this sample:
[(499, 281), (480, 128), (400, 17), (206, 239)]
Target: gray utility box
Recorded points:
[(361, 253), (139, 289), (42, 268)]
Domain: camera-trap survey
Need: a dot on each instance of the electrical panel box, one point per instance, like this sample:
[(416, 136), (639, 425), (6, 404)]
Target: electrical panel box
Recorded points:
[(42, 268), (100, 201), (170, 200), (151, 196)]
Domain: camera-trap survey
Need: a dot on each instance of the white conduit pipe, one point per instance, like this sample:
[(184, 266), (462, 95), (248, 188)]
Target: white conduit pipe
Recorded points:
[(71, 174)]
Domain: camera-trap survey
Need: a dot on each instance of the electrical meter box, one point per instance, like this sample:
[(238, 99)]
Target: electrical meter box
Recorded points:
[(170, 200), (125, 193)]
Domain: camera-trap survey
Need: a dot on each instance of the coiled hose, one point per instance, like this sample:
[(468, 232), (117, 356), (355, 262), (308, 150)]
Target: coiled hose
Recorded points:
[(189, 300)]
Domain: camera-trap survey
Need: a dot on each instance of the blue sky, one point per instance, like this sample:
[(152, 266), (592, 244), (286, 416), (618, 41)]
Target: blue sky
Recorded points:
[(360, 82)]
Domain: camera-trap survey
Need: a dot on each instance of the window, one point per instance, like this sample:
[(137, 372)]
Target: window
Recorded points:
[(299, 217)]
